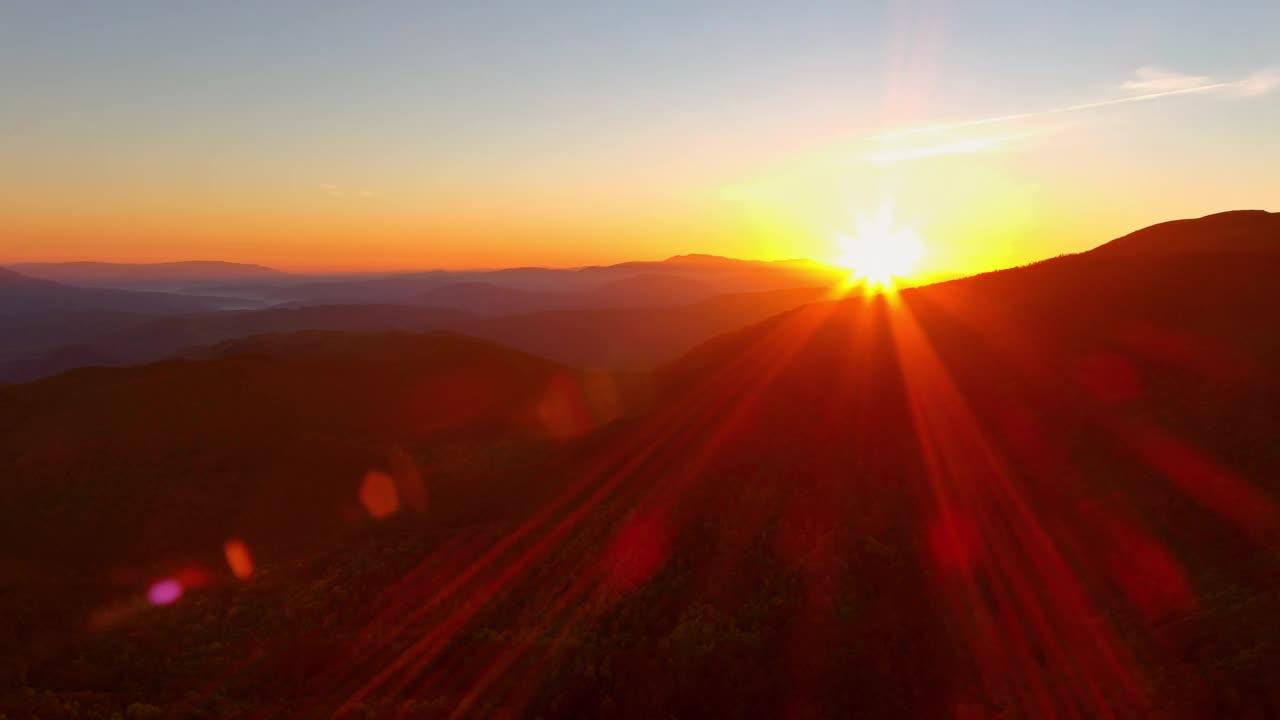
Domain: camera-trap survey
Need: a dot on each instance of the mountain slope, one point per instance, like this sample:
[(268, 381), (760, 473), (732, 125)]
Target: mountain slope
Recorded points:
[(1234, 231), (152, 339), (488, 299), (29, 335), (650, 289), (636, 338), (279, 424), (1078, 458)]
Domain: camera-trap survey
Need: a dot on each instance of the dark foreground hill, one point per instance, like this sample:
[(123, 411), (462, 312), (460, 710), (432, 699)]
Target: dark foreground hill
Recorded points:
[(265, 436), (1042, 492)]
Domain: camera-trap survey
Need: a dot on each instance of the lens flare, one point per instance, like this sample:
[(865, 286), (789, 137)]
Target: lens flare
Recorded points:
[(378, 494), (238, 558), (164, 592)]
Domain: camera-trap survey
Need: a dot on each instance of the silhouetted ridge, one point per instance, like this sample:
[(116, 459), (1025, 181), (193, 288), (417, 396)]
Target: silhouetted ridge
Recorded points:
[(13, 279), (702, 259), (21, 294), (1233, 231), (93, 273)]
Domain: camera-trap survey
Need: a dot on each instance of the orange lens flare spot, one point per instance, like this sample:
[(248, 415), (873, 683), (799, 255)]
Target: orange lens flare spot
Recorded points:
[(238, 558), (378, 494)]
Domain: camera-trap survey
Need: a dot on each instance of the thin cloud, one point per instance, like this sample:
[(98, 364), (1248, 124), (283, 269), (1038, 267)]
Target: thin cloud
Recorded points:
[(330, 189), (1150, 82), (1259, 83), (1153, 79)]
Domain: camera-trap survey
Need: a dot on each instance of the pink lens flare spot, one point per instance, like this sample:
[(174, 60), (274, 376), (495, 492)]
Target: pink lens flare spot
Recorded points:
[(164, 592)]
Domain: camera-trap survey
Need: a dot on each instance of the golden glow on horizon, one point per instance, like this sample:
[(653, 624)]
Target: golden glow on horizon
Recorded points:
[(880, 250), (979, 212)]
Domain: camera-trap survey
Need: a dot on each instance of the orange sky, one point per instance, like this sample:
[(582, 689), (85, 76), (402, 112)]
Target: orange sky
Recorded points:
[(455, 137)]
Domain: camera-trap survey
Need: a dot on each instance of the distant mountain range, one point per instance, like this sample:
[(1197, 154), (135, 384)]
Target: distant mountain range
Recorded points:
[(624, 338), (619, 316), (21, 294), (676, 280), (146, 275)]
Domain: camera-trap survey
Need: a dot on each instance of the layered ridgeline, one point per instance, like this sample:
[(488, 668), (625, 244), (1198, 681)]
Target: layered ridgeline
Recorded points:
[(631, 315), (1041, 491), (21, 294), (148, 275), (37, 316)]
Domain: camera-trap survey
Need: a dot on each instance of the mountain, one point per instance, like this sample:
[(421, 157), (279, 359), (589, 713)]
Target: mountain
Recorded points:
[(632, 291), (12, 281), (253, 431), (47, 326), (1072, 462), (630, 338), (683, 279), (153, 339), (284, 444), (636, 338), (23, 295), (1044, 491), (28, 336), (648, 290), (147, 275), (488, 299), (1235, 231)]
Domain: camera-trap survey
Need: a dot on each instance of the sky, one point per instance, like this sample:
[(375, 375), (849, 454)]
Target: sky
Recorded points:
[(383, 135)]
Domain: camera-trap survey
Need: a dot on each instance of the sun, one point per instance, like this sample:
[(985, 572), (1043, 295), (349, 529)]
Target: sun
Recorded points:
[(880, 251)]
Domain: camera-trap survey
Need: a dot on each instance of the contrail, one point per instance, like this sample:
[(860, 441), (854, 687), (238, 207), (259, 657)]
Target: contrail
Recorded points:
[(895, 134)]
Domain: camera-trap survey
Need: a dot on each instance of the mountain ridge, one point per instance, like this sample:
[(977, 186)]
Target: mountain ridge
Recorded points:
[(78, 272)]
